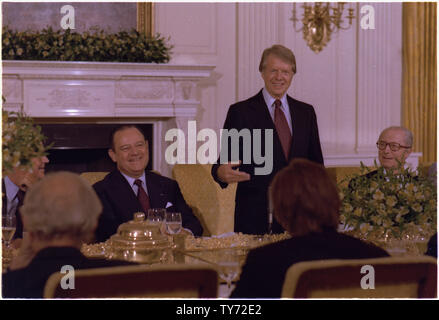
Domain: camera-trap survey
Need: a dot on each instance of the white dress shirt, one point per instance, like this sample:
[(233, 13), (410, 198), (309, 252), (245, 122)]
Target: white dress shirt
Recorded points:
[(134, 186)]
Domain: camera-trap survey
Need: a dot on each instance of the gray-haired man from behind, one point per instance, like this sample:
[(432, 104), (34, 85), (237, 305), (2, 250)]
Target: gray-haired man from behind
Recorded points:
[(60, 213)]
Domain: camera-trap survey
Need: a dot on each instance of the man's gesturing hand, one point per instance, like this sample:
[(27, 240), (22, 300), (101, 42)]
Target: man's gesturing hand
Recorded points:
[(227, 174)]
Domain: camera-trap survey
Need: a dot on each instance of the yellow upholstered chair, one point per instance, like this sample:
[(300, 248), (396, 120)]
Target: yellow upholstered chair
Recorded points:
[(214, 206), (93, 177), (394, 277), (338, 174), (137, 281)]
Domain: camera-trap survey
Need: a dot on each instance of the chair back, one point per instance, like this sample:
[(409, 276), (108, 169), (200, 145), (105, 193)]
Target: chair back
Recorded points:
[(93, 177), (137, 281), (390, 277), (214, 206), (338, 174)]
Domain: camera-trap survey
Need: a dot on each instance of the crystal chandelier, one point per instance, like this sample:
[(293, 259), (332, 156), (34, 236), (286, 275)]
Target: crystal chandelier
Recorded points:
[(319, 23)]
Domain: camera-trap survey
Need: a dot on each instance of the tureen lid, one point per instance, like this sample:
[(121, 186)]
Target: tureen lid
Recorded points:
[(139, 232)]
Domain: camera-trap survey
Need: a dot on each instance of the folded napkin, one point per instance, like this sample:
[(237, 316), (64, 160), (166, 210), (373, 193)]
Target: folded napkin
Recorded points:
[(224, 235)]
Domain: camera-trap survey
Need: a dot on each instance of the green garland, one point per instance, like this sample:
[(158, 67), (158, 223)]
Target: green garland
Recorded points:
[(94, 45)]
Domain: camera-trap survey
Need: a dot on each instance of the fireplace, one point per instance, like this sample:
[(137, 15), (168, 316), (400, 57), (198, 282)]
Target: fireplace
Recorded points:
[(83, 147), (77, 104)]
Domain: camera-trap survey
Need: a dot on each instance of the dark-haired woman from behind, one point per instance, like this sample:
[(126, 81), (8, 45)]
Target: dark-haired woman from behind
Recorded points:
[(305, 202)]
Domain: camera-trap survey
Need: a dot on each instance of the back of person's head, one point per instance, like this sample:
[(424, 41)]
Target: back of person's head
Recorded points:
[(62, 204), (304, 198), (280, 52)]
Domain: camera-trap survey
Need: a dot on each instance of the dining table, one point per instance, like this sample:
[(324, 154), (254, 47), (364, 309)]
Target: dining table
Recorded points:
[(209, 251)]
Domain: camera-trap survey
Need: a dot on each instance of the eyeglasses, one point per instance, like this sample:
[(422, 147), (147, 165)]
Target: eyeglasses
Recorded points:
[(393, 146)]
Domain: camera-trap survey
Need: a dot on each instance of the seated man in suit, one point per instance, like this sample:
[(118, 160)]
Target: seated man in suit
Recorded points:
[(306, 203), (14, 187), (131, 188), (60, 212)]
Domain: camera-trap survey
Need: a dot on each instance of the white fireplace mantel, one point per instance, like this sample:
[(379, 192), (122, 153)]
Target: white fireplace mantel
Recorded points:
[(165, 95), (101, 89)]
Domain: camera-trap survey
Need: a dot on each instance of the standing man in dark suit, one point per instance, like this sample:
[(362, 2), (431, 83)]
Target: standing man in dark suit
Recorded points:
[(294, 135), (131, 188), (14, 187)]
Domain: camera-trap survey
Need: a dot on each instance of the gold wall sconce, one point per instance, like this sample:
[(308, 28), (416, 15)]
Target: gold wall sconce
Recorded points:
[(319, 23)]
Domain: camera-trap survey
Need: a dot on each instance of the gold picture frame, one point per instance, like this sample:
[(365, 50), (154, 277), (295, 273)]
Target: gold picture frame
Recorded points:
[(145, 17)]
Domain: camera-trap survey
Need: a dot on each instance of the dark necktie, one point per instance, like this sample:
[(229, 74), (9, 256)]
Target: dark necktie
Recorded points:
[(19, 223), (283, 131), (20, 197), (142, 196)]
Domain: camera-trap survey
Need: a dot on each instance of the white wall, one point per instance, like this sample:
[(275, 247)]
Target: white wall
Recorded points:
[(354, 84), (204, 33)]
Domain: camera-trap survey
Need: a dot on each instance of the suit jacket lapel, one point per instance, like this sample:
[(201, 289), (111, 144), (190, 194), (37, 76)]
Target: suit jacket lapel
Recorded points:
[(122, 190), (4, 199), (260, 113), (298, 124), (156, 193)]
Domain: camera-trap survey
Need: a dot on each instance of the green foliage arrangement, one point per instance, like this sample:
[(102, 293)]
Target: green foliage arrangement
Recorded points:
[(389, 205), (95, 45), (22, 141)]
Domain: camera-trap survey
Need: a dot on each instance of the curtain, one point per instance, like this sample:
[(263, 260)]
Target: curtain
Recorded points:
[(419, 77)]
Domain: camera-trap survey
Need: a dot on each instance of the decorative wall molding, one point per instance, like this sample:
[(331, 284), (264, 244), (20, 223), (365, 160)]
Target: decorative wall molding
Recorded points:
[(258, 28), (71, 92), (193, 26), (379, 75), (89, 89)]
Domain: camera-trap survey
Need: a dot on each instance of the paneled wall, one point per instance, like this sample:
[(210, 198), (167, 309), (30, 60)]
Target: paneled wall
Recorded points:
[(354, 84), (204, 33)]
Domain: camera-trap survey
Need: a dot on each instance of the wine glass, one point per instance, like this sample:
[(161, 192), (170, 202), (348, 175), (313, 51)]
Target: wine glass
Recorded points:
[(156, 215), (173, 222), (9, 226)]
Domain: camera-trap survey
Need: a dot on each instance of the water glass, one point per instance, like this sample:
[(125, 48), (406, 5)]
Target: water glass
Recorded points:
[(173, 222)]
